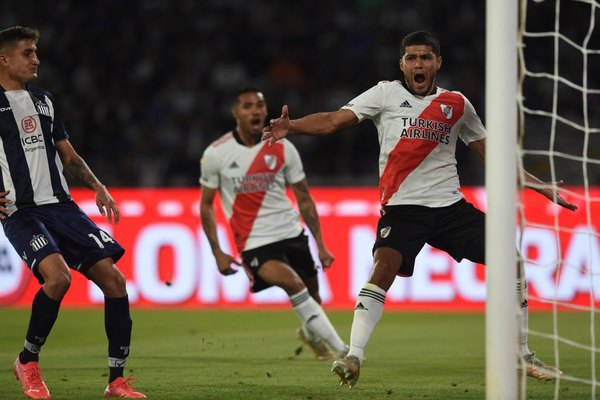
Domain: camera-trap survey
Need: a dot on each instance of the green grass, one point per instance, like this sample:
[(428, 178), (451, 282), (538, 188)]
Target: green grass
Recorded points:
[(234, 355)]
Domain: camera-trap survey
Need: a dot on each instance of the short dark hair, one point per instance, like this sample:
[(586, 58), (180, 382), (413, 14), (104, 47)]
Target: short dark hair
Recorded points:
[(420, 38), (236, 97), (12, 35)]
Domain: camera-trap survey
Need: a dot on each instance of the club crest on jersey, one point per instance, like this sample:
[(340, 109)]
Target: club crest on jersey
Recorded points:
[(385, 232), (446, 110), (254, 262), (271, 161), (43, 109)]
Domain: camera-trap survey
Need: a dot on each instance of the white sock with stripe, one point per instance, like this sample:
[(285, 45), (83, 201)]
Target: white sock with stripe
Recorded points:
[(367, 313), (315, 320)]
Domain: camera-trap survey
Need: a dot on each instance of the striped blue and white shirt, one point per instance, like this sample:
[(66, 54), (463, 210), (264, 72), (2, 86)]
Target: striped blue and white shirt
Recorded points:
[(30, 167)]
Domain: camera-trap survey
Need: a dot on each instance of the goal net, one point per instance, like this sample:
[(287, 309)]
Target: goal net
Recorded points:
[(559, 139)]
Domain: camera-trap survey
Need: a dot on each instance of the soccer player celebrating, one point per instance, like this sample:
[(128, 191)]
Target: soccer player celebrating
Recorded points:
[(251, 177), (45, 226), (418, 125)]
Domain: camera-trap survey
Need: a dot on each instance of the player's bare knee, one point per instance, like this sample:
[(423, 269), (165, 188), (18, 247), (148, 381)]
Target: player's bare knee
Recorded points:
[(383, 274), (57, 285), (115, 285), (119, 281), (109, 279), (292, 286)]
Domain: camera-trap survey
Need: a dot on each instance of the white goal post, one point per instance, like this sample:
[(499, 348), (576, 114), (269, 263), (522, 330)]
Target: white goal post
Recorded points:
[(542, 96), (501, 186)]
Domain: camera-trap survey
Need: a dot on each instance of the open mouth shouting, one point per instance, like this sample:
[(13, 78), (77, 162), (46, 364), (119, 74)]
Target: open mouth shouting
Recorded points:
[(257, 122), (420, 84)]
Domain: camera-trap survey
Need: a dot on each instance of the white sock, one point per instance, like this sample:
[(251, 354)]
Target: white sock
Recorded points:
[(524, 326), (367, 313), (316, 322)]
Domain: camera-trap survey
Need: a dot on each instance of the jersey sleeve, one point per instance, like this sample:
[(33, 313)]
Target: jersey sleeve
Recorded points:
[(59, 132), (209, 169), (369, 104), (293, 170), (472, 128)]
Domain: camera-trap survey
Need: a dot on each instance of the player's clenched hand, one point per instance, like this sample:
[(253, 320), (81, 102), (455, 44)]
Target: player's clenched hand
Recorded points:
[(224, 262), (3, 202), (326, 258), (277, 128), (106, 204)]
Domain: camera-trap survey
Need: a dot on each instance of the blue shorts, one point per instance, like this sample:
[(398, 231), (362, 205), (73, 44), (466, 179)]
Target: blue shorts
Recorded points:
[(294, 252), (37, 232), (458, 229)]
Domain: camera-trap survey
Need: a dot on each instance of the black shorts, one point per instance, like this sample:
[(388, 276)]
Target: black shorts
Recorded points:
[(37, 232), (294, 252), (458, 229)]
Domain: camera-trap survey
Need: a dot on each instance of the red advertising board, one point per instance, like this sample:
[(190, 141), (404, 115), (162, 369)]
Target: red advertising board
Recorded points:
[(168, 261)]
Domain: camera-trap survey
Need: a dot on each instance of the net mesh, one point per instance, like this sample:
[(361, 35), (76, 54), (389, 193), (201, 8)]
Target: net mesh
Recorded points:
[(559, 139)]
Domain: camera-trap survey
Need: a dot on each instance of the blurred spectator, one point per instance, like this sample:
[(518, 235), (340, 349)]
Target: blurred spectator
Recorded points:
[(147, 83)]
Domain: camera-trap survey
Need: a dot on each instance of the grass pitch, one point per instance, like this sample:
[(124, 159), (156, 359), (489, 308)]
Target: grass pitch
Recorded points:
[(218, 354)]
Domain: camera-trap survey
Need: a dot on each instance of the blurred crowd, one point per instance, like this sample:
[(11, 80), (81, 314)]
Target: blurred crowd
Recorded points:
[(145, 86)]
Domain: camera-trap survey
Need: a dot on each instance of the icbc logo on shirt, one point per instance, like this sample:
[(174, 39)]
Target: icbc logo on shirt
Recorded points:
[(33, 139), (28, 124)]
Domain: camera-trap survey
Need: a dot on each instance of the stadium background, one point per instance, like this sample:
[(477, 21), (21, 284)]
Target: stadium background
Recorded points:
[(148, 84), (145, 86)]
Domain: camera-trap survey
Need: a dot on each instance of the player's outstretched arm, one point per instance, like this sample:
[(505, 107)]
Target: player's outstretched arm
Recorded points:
[(550, 190), (322, 123), (546, 189)]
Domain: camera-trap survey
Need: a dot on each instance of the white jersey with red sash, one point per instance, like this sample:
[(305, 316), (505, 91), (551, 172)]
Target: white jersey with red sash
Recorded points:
[(252, 184), (417, 138)]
